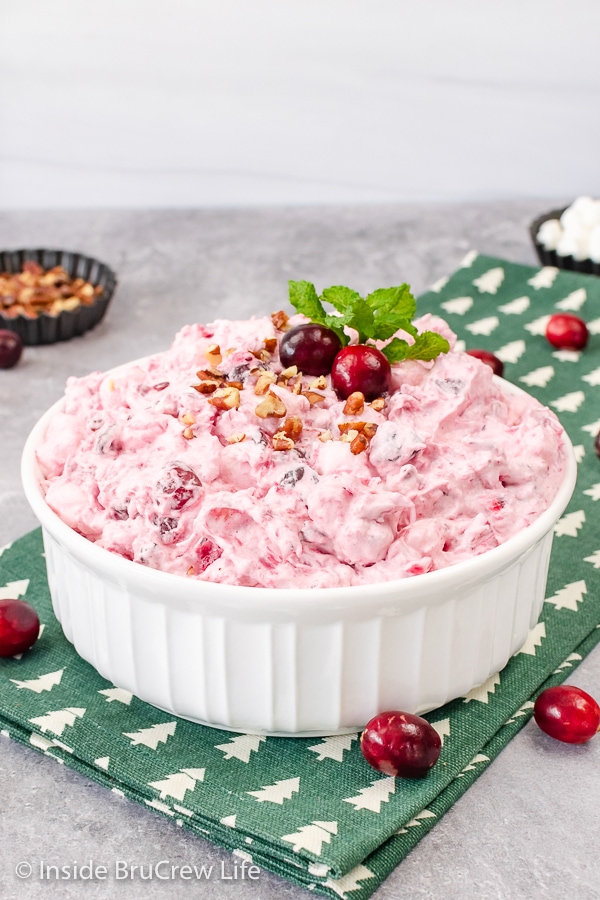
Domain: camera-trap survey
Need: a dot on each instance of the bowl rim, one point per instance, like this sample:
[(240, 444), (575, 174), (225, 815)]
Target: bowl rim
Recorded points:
[(290, 600)]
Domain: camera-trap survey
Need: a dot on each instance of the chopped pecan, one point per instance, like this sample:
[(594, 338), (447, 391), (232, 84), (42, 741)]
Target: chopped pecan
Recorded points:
[(225, 398), (213, 354), (369, 430), (354, 404), (188, 433), (236, 384), (378, 404), (236, 438), (206, 387), (319, 383), (263, 383), (190, 571), (297, 389), (289, 372), (270, 344), (348, 436), (281, 442), (345, 427), (292, 427), (188, 419), (262, 355), (325, 436), (272, 405), (359, 444), (312, 397), (207, 374), (279, 319)]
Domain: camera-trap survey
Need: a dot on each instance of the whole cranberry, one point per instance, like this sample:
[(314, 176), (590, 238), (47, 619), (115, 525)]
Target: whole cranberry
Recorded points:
[(567, 714), (400, 744), (567, 332), (11, 348), (360, 367), (19, 627), (311, 347), (495, 364)]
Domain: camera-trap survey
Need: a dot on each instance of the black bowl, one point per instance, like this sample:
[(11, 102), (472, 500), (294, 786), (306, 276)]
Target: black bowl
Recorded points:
[(551, 257), (46, 328)]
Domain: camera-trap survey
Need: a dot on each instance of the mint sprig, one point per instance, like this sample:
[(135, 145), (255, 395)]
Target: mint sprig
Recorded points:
[(376, 317)]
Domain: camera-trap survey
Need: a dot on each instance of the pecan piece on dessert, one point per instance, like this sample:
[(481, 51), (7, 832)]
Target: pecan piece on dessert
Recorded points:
[(270, 344), (289, 372), (345, 427), (359, 444), (272, 405), (206, 387), (188, 419), (210, 374), (279, 320), (312, 397), (213, 354), (236, 438), (292, 427), (369, 430), (282, 442), (225, 398), (325, 436), (354, 404), (319, 383), (378, 404), (188, 433), (264, 382)]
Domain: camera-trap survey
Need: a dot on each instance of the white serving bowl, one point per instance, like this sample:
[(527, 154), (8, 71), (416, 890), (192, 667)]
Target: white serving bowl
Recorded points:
[(294, 662)]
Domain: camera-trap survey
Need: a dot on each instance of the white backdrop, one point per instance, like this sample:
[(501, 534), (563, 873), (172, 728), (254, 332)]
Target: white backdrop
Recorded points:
[(146, 103)]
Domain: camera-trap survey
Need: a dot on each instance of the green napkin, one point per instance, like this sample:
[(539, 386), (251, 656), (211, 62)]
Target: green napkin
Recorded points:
[(311, 809)]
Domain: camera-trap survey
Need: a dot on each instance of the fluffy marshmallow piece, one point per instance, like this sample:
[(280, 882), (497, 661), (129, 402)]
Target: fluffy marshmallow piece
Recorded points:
[(549, 234)]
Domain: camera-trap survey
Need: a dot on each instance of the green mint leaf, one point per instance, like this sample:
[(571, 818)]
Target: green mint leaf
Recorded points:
[(344, 299), (428, 345), (393, 308), (336, 323), (395, 351), (304, 299)]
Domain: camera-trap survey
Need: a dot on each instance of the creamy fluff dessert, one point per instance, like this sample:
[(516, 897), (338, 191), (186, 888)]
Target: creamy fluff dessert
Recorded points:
[(575, 233), (213, 461)]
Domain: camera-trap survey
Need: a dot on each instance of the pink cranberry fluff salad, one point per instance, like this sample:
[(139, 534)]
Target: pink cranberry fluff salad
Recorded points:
[(214, 460)]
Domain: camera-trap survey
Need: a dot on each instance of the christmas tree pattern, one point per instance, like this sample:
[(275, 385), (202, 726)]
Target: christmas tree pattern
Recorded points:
[(443, 728), (538, 326), (490, 281), (311, 837), (594, 491), (458, 306), (594, 326), (534, 640), (177, 784), (511, 352), (483, 326), (153, 736), (350, 882), (570, 524), (571, 356), (569, 403), (569, 596), (41, 683), (14, 589), (477, 760), (572, 659), (579, 451), (573, 302), (593, 428), (241, 746), (516, 307), (57, 720), (538, 377), (372, 797), (278, 792), (417, 821), (333, 747), (484, 691), (545, 278), (102, 762), (592, 378), (118, 694), (594, 559), (6, 547)]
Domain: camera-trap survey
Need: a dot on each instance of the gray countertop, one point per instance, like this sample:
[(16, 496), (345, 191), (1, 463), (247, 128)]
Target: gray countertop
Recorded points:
[(528, 828)]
